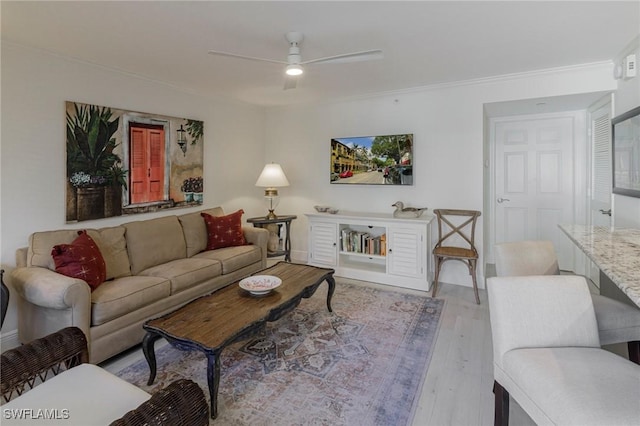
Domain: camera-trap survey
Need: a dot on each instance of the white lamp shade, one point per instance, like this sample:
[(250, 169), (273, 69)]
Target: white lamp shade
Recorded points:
[(272, 176)]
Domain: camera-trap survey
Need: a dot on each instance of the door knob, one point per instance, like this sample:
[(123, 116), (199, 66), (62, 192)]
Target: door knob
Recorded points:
[(607, 212), (502, 200)]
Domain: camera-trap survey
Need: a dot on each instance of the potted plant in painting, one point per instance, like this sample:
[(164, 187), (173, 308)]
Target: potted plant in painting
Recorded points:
[(90, 195), (187, 190), (90, 146), (116, 180), (192, 189), (197, 190)]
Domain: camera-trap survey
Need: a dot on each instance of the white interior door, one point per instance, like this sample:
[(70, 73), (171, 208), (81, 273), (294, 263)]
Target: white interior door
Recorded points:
[(533, 187), (600, 182)]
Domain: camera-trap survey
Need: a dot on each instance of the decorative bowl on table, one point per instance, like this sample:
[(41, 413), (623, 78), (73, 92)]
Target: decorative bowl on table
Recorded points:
[(321, 209), (260, 285)]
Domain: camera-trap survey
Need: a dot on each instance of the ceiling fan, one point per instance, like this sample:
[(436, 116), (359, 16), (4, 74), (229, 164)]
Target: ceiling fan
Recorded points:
[(294, 60)]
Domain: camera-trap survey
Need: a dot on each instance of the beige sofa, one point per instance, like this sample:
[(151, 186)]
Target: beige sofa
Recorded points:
[(153, 267)]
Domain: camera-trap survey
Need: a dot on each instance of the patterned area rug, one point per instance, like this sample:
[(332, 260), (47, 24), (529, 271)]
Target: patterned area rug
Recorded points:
[(363, 364)]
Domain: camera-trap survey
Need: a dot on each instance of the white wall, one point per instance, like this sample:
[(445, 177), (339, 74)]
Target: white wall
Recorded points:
[(447, 123), (626, 210), (35, 86)]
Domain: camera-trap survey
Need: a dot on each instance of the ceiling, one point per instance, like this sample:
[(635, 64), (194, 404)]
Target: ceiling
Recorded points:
[(424, 42)]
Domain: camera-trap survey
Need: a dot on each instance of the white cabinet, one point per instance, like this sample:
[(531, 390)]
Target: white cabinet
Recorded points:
[(323, 243), (373, 247)]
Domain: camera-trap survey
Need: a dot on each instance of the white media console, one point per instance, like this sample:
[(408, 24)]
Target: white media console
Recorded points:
[(373, 247)]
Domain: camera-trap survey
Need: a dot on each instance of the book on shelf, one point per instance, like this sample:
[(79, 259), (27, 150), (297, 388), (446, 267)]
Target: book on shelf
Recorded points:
[(352, 241)]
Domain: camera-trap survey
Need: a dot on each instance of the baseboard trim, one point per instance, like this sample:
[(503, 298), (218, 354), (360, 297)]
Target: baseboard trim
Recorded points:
[(9, 340)]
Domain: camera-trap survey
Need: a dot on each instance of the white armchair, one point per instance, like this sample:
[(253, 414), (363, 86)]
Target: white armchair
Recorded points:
[(547, 355), (618, 322)]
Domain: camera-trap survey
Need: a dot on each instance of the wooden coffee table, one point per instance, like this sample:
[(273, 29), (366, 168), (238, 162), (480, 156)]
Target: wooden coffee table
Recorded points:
[(211, 323)]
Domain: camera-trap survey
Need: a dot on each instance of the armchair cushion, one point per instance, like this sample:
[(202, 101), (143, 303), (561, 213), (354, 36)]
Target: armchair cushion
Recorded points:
[(83, 395), (572, 392), (551, 321)]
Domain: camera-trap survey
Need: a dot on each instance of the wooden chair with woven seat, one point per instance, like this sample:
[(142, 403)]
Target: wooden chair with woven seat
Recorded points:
[(448, 233)]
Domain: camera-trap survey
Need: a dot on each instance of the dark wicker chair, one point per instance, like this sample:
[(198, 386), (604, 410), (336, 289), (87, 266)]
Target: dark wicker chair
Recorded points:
[(4, 299), (181, 403), (27, 365)]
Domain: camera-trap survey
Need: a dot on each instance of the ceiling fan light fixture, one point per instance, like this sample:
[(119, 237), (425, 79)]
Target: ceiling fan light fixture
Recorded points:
[(294, 69)]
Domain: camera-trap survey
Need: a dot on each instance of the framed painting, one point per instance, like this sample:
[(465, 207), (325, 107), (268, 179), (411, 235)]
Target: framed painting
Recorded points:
[(123, 162), (372, 160), (625, 133)]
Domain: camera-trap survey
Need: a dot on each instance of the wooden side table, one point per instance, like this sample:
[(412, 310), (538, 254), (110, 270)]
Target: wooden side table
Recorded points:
[(263, 222)]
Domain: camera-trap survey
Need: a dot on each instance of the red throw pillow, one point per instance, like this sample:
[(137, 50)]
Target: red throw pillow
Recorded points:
[(224, 231), (81, 259)]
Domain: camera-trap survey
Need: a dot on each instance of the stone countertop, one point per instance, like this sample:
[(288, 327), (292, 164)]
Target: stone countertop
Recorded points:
[(615, 251)]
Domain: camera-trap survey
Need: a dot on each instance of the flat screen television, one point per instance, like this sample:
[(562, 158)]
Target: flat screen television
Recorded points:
[(372, 160), (626, 153)]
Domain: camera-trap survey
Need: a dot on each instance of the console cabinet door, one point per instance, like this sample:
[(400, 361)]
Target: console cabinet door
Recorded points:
[(405, 253), (323, 244)]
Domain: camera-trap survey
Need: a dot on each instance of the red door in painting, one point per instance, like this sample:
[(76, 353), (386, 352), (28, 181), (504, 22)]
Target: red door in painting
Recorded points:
[(147, 163)]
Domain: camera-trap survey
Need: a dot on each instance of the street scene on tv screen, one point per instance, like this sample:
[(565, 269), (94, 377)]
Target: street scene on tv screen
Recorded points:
[(372, 160)]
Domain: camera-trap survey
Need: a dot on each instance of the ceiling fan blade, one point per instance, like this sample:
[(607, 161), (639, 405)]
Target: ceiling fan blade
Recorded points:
[(252, 58), (366, 55), (290, 82)]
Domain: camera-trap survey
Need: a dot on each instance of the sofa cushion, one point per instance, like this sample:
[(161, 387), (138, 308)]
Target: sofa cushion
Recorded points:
[(233, 258), (126, 294), (41, 243), (110, 241), (113, 246), (185, 273), (224, 231), (81, 259), (195, 231), (154, 242)]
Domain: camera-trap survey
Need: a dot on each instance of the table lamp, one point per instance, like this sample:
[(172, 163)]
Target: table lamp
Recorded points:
[(271, 178)]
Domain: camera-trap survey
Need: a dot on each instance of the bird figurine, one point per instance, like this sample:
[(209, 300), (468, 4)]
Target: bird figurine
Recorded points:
[(406, 212)]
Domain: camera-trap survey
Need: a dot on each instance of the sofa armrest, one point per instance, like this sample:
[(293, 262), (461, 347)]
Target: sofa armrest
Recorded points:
[(180, 403), (49, 301), (41, 358), (258, 237), (49, 289)]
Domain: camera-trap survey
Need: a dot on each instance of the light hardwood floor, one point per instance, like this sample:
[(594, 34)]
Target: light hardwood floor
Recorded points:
[(458, 385)]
